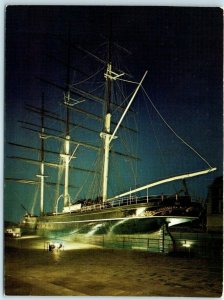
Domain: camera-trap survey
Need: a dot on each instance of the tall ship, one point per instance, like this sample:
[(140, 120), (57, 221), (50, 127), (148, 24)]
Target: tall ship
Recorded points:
[(88, 156)]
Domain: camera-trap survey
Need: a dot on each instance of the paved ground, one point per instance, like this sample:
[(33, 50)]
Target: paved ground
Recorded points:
[(103, 272)]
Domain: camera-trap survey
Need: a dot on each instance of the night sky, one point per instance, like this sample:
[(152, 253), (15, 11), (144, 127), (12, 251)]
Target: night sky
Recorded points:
[(180, 47)]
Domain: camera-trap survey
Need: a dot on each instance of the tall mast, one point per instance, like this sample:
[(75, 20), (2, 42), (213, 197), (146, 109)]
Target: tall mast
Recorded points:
[(109, 69), (41, 175), (68, 80), (105, 134), (66, 155)]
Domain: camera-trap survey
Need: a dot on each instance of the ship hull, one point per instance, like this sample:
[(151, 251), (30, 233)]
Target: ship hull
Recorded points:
[(120, 220), (116, 226)]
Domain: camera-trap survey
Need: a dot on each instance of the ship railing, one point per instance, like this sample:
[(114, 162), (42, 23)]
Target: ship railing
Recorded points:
[(153, 200), (136, 200)]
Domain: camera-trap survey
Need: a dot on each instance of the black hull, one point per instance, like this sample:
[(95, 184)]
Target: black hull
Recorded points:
[(134, 219), (101, 227)]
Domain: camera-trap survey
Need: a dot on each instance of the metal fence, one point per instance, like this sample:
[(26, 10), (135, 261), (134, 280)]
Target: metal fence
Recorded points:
[(187, 247)]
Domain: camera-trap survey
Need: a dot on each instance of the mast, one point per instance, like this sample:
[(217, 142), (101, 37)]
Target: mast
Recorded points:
[(41, 175), (105, 134), (66, 155)]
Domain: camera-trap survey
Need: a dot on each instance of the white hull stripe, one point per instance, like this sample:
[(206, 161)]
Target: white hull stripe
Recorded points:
[(116, 219)]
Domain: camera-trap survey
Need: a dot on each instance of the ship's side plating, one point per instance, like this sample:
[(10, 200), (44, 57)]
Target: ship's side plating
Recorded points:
[(123, 219)]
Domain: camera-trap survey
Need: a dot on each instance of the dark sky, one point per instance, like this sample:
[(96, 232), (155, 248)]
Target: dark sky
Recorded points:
[(180, 47)]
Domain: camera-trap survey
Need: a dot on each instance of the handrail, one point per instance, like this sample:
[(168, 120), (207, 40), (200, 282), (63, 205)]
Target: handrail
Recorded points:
[(121, 202)]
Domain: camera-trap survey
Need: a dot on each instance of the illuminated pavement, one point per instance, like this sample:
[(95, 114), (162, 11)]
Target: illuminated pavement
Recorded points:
[(38, 243), (84, 269)]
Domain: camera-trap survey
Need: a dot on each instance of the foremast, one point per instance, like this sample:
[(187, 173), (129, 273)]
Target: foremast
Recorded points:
[(106, 135)]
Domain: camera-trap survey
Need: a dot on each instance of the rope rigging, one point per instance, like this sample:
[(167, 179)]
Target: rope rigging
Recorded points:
[(86, 79), (180, 138), (162, 157)]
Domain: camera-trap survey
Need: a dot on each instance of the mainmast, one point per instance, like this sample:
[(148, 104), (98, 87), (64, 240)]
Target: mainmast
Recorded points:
[(41, 175)]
